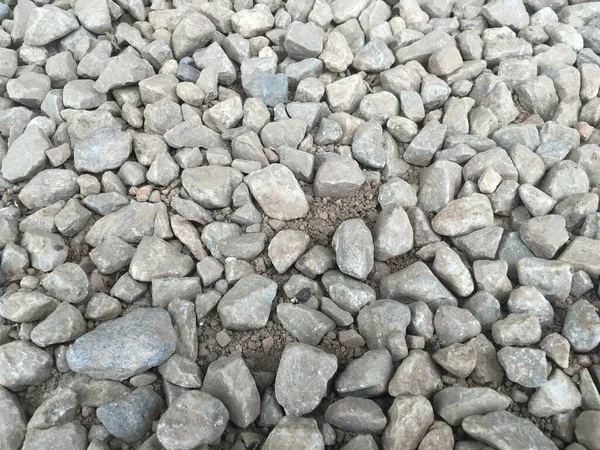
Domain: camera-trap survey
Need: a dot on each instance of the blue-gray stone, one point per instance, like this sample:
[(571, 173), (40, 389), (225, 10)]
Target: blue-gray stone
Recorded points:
[(124, 347), (272, 89), (130, 418), (186, 72)]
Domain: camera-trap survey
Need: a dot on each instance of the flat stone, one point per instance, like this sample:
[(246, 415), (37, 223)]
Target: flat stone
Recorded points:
[(559, 394), (505, 431), (525, 366), (455, 404), (71, 436), (582, 253), (582, 326), (357, 415)]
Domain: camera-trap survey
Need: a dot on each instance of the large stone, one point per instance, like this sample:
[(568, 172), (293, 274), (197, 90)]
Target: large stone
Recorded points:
[(505, 431), (156, 258), (104, 149), (194, 419), (277, 192), (338, 176), (295, 432), (23, 364), (582, 326), (229, 380), (455, 404), (353, 246), (71, 436), (463, 216), (416, 283), (559, 394), (48, 187), (130, 418), (302, 378), (409, 418), (13, 423), (357, 415), (124, 347), (583, 253), (247, 305)]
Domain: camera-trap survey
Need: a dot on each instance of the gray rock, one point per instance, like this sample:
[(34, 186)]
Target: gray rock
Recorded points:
[(339, 176), (286, 247), (551, 278), (491, 276), (102, 307), (417, 283), (582, 254), (23, 364), (361, 442), (104, 149), (544, 235), (480, 244), (195, 418), (193, 32), (416, 375), (463, 216), (211, 186), (375, 56), (303, 40), (347, 293), (392, 234), (123, 70), (448, 266), (525, 366), (378, 320), (367, 376), (295, 432), (505, 431), (306, 324), (528, 300), (457, 359), (422, 148), (71, 436), (559, 394), (564, 179), (277, 191), (455, 404), (64, 324), (131, 418), (409, 418), (455, 325), (130, 223), (353, 246), (12, 421), (46, 250), (109, 350), (438, 185), (357, 415), (57, 410), (27, 306), (29, 89), (517, 329), (67, 282), (26, 156), (156, 258), (229, 380), (248, 304), (582, 326), (112, 255), (94, 16), (586, 429), (49, 186), (346, 94)]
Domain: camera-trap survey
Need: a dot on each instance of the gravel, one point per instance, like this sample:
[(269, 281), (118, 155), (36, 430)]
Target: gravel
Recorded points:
[(304, 224)]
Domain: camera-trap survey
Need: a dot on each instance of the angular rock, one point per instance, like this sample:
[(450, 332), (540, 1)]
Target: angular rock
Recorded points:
[(299, 386)]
